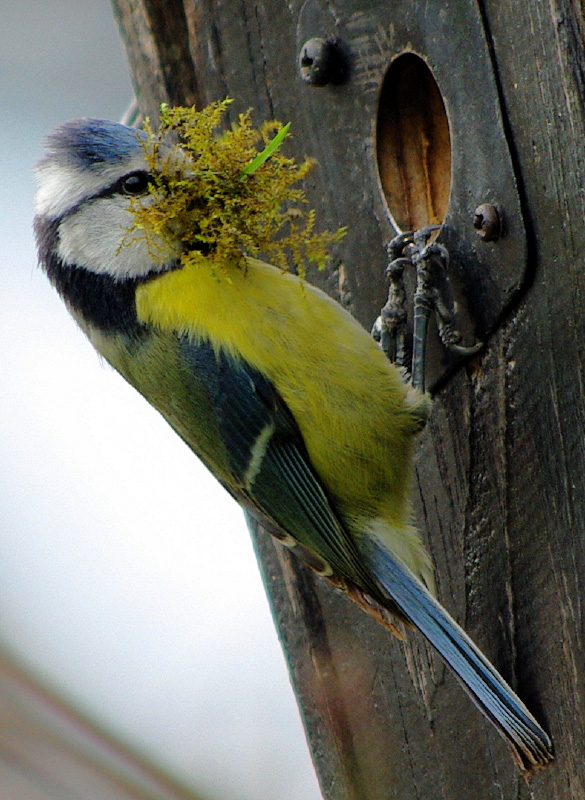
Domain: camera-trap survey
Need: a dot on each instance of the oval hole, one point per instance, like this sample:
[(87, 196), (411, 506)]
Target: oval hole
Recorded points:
[(413, 145)]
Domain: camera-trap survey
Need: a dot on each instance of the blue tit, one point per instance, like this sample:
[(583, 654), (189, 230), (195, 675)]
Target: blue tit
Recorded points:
[(278, 390)]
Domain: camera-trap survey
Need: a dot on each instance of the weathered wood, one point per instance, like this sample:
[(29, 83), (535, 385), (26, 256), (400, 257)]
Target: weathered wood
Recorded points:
[(501, 470)]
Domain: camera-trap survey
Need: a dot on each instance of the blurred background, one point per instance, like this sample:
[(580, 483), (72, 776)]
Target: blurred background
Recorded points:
[(128, 584)]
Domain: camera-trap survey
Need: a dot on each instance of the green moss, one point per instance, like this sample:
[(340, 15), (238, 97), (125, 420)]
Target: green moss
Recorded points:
[(228, 193)]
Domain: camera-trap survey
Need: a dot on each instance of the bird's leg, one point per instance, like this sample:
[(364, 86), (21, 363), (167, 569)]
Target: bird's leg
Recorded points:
[(423, 257), (392, 319), (432, 293), (390, 327), (446, 310)]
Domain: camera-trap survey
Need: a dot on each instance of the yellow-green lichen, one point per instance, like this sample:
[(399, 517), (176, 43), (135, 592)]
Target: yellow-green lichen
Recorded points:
[(228, 193)]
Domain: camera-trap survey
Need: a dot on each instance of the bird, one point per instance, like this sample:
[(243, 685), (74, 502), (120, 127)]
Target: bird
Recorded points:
[(276, 387)]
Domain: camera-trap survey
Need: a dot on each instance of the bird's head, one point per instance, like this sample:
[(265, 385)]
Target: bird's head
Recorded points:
[(116, 206), (93, 176), (92, 173)]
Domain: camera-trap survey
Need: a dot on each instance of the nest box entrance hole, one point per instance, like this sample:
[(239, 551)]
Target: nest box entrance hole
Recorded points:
[(413, 145)]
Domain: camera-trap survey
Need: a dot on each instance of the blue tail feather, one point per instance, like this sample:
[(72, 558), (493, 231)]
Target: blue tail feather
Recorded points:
[(530, 744)]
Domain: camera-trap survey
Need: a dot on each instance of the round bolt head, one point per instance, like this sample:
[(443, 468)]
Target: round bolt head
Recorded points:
[(487, 221), (320, 62)]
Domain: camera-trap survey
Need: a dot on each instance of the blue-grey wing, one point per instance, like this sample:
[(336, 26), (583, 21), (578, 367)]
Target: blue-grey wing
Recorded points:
[(268, 460)]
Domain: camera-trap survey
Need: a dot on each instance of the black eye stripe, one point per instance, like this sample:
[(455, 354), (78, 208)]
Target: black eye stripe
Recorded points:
[(120, 187)]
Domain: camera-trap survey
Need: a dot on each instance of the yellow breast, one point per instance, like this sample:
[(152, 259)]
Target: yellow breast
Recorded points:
[(350, 403)]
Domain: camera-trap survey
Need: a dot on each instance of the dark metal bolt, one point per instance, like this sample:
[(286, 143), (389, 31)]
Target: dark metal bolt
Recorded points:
[(487, 222), (321, 62)]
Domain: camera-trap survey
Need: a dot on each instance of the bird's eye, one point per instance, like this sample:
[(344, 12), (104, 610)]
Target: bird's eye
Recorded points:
[(135, 183)]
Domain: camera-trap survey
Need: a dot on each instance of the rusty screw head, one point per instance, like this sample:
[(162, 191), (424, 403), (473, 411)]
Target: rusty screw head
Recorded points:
[(321, 62), (487, 222)]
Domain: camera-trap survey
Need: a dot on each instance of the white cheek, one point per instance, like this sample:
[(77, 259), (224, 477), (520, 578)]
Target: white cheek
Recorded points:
[(99, 237), (62, 187)]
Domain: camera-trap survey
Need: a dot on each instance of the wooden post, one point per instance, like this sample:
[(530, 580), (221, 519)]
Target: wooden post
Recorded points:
[(501, 466)]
